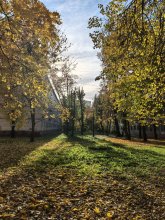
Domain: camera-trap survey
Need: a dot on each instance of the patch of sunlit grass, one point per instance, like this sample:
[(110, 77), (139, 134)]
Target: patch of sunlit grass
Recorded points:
[(80, 177), (87, 155)]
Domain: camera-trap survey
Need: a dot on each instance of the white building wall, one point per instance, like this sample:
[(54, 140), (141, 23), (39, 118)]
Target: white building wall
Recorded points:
[(42, 125)]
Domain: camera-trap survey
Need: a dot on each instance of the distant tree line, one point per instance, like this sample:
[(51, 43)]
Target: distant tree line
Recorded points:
[(71, 97)]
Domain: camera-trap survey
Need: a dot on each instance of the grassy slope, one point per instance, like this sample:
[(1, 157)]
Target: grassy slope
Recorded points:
[(84, 178)]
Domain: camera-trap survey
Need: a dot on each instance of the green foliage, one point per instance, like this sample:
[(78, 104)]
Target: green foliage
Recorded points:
[(130, 36), (29, 32)]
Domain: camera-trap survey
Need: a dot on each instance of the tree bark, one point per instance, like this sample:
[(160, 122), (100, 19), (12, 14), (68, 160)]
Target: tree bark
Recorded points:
[(73, 113), (126, 128), (13, 129), (117, 127), (67, 127), (82, 115), (82, 122), (155, 132), (102, 127), (140, 131), (144, 134), (33, 125), (109, 128), (129, 131), (93, 125)]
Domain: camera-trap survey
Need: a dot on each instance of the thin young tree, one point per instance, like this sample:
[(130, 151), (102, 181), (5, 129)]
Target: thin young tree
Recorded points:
[(81, 95)]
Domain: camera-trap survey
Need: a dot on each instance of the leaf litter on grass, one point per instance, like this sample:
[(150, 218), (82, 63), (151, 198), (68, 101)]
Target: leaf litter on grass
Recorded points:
[(65, 187)]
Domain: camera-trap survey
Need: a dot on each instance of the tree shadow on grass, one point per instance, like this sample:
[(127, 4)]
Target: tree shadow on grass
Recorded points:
[(57, 193), (115, 157), (101, 149), (105, 156), (95, 156), (12, 151)]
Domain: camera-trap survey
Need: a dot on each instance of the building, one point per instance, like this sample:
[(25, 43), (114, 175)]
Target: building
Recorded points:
[(42, 125), (88, 103)]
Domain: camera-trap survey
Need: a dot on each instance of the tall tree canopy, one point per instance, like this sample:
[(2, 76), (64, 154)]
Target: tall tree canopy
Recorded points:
[(29, 32), (131, 38)]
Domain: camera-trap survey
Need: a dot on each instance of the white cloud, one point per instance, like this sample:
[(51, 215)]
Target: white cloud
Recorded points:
[(75, 15)]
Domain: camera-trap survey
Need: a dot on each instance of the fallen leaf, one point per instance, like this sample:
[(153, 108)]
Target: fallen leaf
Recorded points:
[(97, 210), (109, 214)]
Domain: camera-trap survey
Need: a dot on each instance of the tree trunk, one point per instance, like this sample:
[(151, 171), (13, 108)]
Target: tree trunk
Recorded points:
[(33, 125), (117, 127), (73, 127), (67, 127), (82, 117), (93, 125), (80, 95), (109, 129), (101, 122), (144, 134), (102, 127), (73, 113), (129, 131), (82, 122), (155, 132), (13, 129), (126, 129), (140, 131)]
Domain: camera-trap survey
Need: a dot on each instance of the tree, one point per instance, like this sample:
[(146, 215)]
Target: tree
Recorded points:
[(65, 82), (29, 34), (73, 96), (131, 41), (80, 95), (63, 77)]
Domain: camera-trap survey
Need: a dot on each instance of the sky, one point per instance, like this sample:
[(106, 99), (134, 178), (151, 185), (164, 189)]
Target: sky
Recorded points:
[(75, 15)]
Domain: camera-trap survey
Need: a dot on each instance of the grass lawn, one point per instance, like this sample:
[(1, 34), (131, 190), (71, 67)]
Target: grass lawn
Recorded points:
[(81, 178)]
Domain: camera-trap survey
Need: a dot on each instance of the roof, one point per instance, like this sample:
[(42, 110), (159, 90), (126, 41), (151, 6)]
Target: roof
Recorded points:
[(54, 89)]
